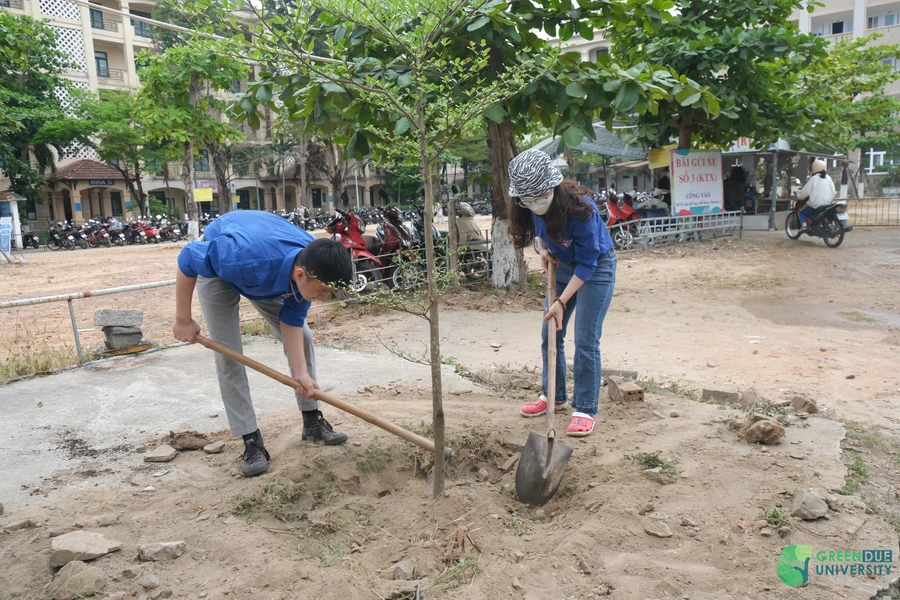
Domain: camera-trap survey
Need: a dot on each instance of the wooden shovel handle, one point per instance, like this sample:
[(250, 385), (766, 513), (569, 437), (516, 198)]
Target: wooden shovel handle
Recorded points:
[(409, 436), (551, 352)]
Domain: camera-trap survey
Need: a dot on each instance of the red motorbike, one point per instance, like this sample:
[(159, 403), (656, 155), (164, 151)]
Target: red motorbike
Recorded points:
[(621, 223), (96, 234), (150, 232), (347, 228)]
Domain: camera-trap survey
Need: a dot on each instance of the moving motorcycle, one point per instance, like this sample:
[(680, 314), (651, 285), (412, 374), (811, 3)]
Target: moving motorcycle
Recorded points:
[(29, 240), (828, 223)]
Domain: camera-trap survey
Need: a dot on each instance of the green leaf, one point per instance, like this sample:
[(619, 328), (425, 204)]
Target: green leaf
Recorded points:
[(478, 23), (576, 90), (402, 126), (496, 113), (587, 30), (405, 80), (628, 96), (358, 146), (573, 136), (691, 99), (263, 94), (333, 87), (712, 105)]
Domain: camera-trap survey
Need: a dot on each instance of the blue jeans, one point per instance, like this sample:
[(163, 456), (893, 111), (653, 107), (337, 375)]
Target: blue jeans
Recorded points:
[(593, 300), (806, 211)]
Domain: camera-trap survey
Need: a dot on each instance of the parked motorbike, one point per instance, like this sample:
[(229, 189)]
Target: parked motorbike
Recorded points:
[(96, 235), (134, 233), (346, 228), (827, 223), (78, 235), (59, 239), (621, 222), (29, 240)]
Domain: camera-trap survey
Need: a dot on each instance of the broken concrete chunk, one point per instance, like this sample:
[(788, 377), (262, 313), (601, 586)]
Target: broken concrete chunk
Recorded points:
[(109, 317), (163, 453), (766, 431), (808, 506), (214, 448), (188, 439), (159, 551), (118, 338), (804, 405), (81, 546), (720, 397), (78, 580)]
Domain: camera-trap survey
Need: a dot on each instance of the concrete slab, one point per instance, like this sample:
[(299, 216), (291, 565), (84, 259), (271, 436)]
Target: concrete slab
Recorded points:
[(92, 419)]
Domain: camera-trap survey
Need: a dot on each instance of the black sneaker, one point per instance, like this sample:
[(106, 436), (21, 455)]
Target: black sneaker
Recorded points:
[(322, 431), (256, 458)]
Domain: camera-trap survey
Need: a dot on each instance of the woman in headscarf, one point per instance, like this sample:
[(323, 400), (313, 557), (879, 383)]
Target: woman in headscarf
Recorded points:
[(564, 224)]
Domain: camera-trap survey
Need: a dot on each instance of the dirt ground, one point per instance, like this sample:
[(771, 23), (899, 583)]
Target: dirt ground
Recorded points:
[(358, 521)]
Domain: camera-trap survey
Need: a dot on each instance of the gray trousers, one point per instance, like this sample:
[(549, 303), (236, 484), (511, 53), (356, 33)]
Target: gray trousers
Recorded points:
[(220, 306)]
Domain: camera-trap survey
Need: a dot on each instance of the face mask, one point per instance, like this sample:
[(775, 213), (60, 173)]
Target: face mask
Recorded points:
[(539, 205)]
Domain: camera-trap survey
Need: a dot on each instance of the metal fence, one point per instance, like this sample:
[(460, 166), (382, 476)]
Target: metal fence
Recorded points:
[(874, 212), (644, 233)]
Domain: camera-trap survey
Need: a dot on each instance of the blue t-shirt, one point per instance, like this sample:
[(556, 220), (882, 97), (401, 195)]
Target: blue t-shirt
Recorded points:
[(253, 252), (583, 242)]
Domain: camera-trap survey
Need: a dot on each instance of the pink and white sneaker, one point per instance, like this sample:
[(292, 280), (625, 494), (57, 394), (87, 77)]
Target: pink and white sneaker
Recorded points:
[(539, 407), (581, 425)]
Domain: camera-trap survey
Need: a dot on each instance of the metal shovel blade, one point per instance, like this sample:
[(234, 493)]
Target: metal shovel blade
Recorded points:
[(541, 468)]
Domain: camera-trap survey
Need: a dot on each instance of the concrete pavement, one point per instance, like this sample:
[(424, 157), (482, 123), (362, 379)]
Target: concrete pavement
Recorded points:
[(81, 427)]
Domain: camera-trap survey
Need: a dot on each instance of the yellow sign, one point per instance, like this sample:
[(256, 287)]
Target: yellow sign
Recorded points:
[(202, 195), (236, 199), (660, 157)]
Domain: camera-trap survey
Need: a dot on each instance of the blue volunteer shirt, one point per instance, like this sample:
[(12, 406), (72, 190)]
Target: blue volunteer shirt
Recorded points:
[(253, 252), (583, 242)]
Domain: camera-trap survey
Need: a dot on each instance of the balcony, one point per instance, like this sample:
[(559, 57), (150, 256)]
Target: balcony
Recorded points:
[(13, 4), (837, 37), (890, 34), (114, 77)]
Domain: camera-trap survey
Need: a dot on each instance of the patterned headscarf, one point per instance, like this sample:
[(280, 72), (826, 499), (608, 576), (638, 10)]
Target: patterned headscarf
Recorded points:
[(532, 173)]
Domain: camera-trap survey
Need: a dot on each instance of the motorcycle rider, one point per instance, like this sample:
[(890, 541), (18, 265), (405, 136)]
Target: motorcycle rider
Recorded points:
[(819, 191)]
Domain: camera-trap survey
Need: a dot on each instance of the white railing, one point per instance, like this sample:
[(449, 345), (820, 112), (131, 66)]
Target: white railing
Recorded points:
[(643, 233)]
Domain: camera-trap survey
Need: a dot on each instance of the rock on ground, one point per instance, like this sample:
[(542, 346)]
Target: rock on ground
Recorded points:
[(149, 581), (163, 453), (80, 545), (158, 551), (658, 529), (721, 397), (17, 525), (765, 431), (804, 405), (808, 506), (214, 448), (78, 580), (109, 317), (188, 439)]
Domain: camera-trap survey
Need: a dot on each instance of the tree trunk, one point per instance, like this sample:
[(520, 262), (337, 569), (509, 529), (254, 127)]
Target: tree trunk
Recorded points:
[(141, 196), (187, 173), (304, 192), (685, 132), (505, 265), (434, 330)]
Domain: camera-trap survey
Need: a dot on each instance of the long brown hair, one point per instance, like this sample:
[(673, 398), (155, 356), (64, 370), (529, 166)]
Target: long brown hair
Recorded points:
[(567, 202)]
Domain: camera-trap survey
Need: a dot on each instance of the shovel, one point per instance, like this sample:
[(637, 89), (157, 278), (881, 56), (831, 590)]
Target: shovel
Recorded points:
[(544, 458), (409, 436)]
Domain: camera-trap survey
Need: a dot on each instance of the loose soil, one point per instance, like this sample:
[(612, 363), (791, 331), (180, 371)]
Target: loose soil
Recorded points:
[(784, 317)]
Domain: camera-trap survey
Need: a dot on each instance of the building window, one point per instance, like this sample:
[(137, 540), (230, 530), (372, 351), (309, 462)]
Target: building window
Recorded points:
[(837, 27), (141, 29), (201, 162), (243, 199), (102, 63), (4, 4), (818, 30), (890, 19), (876, 160), (236, 86), (113, 162), (96, 18), (873, 22), (115, 199)]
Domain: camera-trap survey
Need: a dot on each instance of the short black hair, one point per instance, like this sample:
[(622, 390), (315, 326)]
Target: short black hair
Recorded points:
[(327, 261)]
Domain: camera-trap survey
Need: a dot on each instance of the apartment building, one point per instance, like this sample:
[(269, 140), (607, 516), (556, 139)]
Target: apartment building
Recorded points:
[(838, 20), (103, 47)]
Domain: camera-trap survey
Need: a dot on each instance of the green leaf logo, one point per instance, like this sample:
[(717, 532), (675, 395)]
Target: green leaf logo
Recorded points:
[(793, 565)]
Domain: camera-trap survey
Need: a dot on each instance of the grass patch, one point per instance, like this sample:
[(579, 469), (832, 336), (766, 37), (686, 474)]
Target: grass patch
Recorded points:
[(667, 472), (775, 517), (376, 458), (864, 438), (856, 317), (273, 500), (858, 475), (424, 429), (258, 327), (455, 575), (515, 525), (26, 361), (768, 408), (652, 386)]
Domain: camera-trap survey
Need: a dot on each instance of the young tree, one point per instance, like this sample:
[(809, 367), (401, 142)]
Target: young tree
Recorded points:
[(398, 84), (30, 77), (178, 103), (735, 50)]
